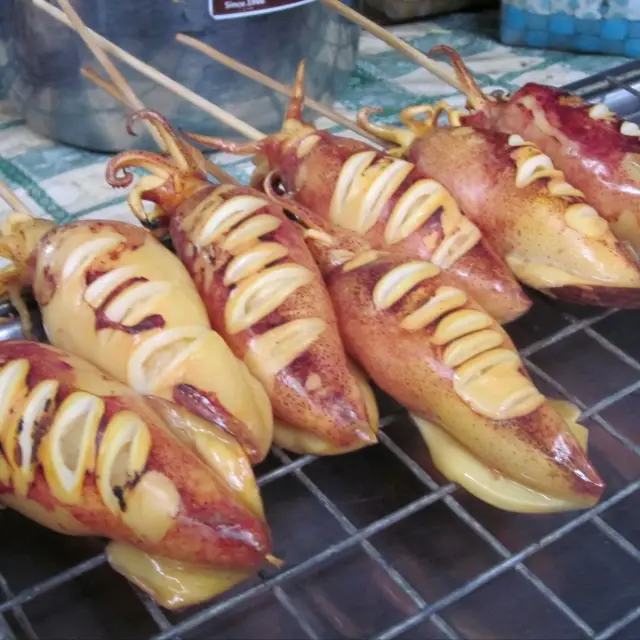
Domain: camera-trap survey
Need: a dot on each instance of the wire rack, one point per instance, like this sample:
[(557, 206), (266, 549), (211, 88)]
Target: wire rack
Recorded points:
[(379, 545)]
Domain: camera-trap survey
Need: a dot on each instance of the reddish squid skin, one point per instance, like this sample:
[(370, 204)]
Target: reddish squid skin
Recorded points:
[(478, 168), (263, 293), (62, 296), (311, 177), (409, 367), (210, 528), (593, 153), (336, 410)]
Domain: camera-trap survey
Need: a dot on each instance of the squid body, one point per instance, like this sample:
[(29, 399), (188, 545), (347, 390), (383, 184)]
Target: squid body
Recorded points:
[(552, 239), (384, 199), (427, 343), (597, 151), (111, 293), (264, 294), (84, 455)]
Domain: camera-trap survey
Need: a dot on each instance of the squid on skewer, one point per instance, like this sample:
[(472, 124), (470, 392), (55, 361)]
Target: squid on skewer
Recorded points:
[(552, 239), (263, 291), (434, 349), (382, 198), (111, 293), (598, 152), (82, 454), (426, 342)]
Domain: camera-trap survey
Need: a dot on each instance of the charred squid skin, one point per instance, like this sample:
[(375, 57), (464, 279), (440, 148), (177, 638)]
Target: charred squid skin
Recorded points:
[(426, 343), (109, 292), (598, 152), (84, 455), (265, 296)]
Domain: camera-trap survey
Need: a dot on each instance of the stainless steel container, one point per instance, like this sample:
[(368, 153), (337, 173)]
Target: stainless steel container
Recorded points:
[(42, 80)]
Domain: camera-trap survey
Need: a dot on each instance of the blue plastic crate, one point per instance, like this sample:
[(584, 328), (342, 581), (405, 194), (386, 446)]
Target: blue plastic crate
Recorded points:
[(591, 26)]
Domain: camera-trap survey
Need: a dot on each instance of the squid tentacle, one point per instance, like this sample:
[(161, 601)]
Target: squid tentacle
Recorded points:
[(170, 172), (423, 118), (11, 289), (18, 235), (401, 136), (186, 157), (296, 103), (292, 118), (226, 146), (145, 185), (418, 120), (178, 158), (118, 173), (14, 292), (8, 250), (477, 98)]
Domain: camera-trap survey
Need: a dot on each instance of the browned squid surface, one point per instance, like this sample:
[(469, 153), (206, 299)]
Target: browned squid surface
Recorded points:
[(84, 455), (552, 239), (384, 199), (264, 294), (598, 152), (112, 294), (426, 342)]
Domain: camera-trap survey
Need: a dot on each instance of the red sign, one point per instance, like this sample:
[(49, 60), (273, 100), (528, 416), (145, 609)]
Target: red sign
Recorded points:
[(225, 9)]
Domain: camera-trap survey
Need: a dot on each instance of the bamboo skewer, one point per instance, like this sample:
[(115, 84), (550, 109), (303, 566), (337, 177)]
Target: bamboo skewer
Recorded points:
[(147, 70), (12, 199), (93, 76), (130, 98), (276, 86), (120, 89), (393, 41)]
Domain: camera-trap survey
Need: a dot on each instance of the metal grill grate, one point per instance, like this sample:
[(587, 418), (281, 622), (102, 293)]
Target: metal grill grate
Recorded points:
[(377, 544)]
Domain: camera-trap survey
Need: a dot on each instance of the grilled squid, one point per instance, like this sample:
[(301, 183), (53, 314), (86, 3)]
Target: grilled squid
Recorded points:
[(83, 455), (427, 343), (264, 294), (549, 235), (384, 199), (111, 293), (598, 152)]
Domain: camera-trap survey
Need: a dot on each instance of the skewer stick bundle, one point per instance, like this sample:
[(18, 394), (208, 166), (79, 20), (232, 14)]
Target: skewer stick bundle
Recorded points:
[(276, 86), (93, 76), (127, 94), (120, 89), (190, 96)]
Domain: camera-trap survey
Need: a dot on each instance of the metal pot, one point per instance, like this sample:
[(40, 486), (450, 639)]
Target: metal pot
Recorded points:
[(43, 82)]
